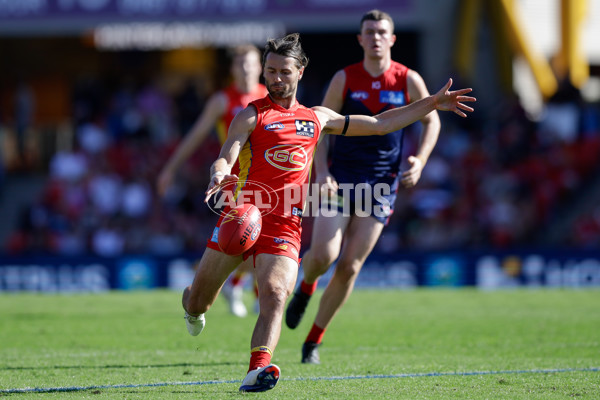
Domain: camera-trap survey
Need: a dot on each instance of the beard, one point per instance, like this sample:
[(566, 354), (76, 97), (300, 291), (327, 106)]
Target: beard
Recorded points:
[(281, 92)]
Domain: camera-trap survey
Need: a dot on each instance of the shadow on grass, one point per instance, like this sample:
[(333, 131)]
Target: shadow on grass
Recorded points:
[(116, 366)]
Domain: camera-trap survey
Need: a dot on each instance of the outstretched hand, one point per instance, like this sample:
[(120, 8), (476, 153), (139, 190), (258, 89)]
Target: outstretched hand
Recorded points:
[(217, 181), (446, 100)]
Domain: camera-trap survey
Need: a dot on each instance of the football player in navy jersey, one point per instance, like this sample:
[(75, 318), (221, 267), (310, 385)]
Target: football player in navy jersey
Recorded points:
[(371, 86)]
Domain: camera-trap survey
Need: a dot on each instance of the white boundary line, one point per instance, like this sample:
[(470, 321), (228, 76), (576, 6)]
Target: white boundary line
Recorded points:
[(323, 378)]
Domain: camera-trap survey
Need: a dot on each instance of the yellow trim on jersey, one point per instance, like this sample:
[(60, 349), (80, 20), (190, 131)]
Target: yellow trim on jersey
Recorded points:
[(310, 177), (245, 160)]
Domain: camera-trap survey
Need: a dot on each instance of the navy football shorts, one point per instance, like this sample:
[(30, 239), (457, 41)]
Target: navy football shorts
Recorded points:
[(363, 196)]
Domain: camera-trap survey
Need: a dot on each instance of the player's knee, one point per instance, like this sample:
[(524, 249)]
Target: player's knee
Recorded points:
[(347, 270), (323, 257), (274, 296)]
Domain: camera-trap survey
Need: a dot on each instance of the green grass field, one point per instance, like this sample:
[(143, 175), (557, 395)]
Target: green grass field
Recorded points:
[(417, 344)]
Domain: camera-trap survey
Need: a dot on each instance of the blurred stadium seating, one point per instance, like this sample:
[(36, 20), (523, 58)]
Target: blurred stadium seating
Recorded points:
[(85, 130)]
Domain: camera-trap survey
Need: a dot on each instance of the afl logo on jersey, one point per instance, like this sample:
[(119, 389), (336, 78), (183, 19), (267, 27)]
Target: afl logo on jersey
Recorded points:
[(359, 96), (287, 157), (275, 126)]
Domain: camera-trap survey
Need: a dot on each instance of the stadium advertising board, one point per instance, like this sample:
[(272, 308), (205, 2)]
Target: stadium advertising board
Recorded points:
[(485, 270), (129, 10), (167, 24)]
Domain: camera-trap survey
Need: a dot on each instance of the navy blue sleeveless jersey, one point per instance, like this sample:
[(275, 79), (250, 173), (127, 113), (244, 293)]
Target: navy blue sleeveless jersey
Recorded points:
[(367, 157)]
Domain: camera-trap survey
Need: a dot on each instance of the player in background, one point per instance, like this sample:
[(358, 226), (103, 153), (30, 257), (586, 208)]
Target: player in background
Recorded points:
[(375, 84), (218, 113), (260, 135)]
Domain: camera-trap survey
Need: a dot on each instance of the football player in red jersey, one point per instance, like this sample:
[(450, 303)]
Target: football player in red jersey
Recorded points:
[(277, 137), (220, 110), (375, 84)]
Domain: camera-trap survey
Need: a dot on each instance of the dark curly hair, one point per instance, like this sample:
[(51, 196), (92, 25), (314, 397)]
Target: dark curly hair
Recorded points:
[(288, 46)]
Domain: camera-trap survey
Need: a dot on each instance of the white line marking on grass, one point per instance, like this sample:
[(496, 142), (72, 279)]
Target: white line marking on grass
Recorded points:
[(319, 378)]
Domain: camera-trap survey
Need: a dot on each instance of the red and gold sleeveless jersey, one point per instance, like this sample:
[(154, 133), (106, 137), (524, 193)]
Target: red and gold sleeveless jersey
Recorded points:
[(276, 160), (236, 102)]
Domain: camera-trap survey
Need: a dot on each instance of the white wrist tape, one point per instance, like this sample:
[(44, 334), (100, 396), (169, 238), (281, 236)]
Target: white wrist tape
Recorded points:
[(216, 174)]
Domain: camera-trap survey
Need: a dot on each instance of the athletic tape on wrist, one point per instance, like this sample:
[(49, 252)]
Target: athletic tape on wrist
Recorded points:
[(217, 173), (346, 123)]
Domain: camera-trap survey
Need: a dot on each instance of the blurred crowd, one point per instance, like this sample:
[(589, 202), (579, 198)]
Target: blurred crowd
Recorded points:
[(490, 182), (99, 197), (505, 181)]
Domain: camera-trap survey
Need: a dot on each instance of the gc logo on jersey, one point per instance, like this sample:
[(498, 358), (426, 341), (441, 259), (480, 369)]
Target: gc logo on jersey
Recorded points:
[(305, 128), (287, 157)]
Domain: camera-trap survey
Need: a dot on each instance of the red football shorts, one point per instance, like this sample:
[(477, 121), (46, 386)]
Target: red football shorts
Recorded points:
[(279, 236)]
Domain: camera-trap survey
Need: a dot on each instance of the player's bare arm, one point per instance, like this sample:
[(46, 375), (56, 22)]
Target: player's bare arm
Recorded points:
[(430, 123), (239, 131), (215, 108), (397, 118), (333, 100), (334, 96)]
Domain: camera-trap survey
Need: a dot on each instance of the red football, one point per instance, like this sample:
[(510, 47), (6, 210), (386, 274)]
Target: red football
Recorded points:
[(239, 229)]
